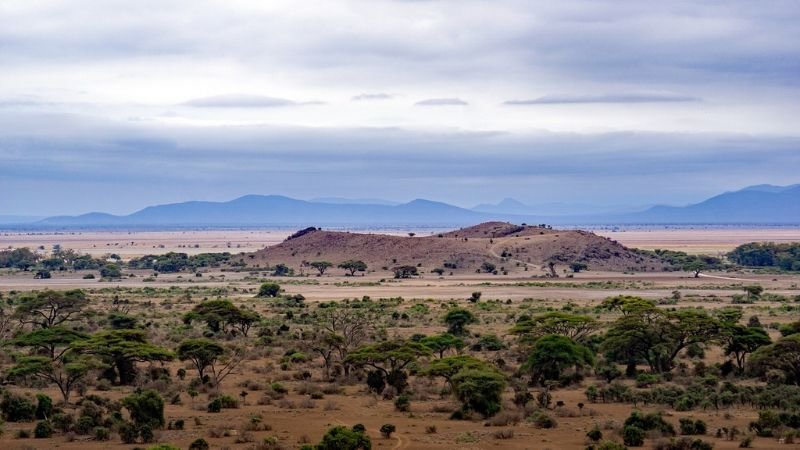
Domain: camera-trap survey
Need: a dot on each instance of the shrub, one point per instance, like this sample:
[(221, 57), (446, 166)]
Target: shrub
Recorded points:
[(543, 420), (479, 390), (402, 403), (607, 445), (503, 434), (387, 430), (62, 422), (43, 430), (228, 402), (23, 434), (269, 290), (44, 407), (648, 422), (128, 433), (633, 436), (102, 434), (17, 408), (215, 406), (146, 433), (146, 408), (341, 438), (199, 444), (595, 434), (84, 425), (691, 427)]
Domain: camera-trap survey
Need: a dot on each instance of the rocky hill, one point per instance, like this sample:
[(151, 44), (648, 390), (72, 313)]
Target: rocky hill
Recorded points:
[(515, 248)]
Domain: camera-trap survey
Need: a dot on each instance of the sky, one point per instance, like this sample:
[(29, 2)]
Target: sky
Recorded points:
[(112, 106)]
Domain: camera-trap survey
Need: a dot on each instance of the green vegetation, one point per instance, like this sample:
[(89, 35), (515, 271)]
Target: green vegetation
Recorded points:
[(179, 262), (767, 254)]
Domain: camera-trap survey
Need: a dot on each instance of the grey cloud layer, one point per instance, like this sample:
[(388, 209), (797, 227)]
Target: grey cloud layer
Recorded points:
[(347, 161), (442, 102), (242, 101), (605, 98)]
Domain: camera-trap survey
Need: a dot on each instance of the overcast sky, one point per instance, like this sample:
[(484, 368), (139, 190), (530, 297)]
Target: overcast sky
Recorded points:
[(112, 105)]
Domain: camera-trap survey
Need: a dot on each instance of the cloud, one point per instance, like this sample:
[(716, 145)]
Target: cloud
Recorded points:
[(605, 98), (243, 101), (44, 156), (442, 102), (375, 96)]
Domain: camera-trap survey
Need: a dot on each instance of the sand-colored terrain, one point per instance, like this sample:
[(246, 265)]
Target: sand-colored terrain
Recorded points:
[(710, 241)]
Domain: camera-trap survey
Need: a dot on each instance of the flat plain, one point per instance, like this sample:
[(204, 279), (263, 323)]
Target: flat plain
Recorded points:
[(312, 403)]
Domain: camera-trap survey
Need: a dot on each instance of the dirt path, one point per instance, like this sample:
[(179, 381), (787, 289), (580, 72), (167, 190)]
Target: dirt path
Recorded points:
[(725, 278)]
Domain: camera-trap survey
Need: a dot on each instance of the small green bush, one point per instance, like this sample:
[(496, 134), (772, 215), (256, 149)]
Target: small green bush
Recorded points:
[(387, 430), (633, 436), (43, 430), (199, 444), (101, 434)]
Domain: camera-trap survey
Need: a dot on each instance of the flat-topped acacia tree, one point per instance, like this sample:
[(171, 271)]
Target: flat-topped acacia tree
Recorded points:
[(321, 266), (122, 349)]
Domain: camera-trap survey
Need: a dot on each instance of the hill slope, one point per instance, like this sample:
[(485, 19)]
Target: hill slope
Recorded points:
[(509, 246), (757, 204)]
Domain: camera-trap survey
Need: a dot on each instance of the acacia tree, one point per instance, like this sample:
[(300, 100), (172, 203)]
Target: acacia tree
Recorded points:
[(389, 359), (53, 342), (122, 349), (8, 323), (457, 320), (51, 308), (222, 316), (783, 357), (52, 358), (269, 290), (442, 343), (206, 354), (352, 324), (573, 326), (554, 354), (326, 344), (449, 366), (479, 390), (321, 266), (647, 333), (65, 372), (741, 341), (353, 266)]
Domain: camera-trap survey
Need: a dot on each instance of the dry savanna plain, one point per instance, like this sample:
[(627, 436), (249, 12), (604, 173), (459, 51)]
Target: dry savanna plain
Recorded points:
[(504, 342)]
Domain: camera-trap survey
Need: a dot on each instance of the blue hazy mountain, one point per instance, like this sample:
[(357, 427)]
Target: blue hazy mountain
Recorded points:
[(763, 204)]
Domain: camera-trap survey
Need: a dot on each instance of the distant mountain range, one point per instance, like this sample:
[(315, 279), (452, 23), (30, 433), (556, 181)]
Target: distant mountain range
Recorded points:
[(762, 204), (512, 206)]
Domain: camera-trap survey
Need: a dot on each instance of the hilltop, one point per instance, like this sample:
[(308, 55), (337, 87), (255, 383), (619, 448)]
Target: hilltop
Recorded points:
[(508, 246)]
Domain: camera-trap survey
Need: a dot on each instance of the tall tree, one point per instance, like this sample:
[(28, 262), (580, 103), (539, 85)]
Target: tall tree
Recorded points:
[(353, 266), (390, 358), (741, 341), (122, 349), (321, 266), (65, 371), (783, 356), (646, 333), (206, 354), (573, 326), (51, 308), (457, 320), (552, 355)]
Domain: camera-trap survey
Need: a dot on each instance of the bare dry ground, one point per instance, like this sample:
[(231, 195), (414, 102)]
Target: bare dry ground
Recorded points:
[(295, 419), (710, 241)]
